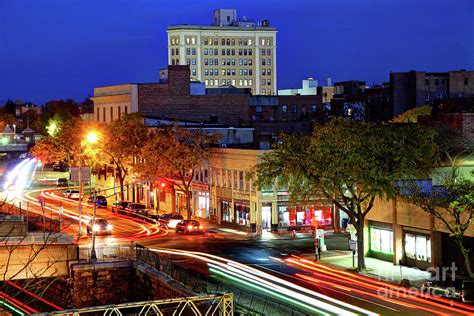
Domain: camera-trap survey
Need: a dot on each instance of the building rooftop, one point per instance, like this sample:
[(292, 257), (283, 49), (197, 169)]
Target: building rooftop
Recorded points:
[(221, 28)]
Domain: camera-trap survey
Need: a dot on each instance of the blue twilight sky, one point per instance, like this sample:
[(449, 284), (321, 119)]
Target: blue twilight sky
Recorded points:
[(52, 49)]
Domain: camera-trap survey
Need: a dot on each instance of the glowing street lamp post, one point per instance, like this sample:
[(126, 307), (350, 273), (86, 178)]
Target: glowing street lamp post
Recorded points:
[(91, 138)]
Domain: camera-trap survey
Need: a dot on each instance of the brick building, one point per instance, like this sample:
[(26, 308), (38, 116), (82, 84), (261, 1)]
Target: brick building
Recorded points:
[(178, 98), (417, 88)]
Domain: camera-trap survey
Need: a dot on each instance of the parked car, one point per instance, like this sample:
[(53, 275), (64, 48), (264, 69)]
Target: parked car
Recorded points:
[(74, 195), (119, 206), (137, 208), (62, 182), (101, 201), (189, 226), (170, 220), (101, 226), (67, 192), (462, 290)]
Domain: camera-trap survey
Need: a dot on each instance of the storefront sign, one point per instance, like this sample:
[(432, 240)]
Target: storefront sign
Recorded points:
[(241, 196), (200, 186)]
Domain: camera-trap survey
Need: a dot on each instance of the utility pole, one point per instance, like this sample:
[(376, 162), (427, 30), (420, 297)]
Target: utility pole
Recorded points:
[(79, 206), (93, 254)]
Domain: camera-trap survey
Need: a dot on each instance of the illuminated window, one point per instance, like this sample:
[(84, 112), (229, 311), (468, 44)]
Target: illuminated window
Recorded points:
[(188, 51), (206, 51), (263, 51), (206, 41), (216, 82), (250, 42), (381, 240), (284, 108), (245, 82)]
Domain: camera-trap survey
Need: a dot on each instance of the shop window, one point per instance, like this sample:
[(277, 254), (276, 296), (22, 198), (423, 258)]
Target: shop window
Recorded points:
[(226, 211), (381, 240), (242, 214), (418, 247)]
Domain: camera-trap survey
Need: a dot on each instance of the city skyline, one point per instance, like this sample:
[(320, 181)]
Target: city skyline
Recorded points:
[(78, 48)]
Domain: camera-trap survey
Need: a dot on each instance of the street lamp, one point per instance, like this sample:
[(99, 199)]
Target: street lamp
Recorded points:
[(90, 138)]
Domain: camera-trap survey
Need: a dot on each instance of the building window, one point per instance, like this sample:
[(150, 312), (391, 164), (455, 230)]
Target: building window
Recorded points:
[(223, 52), (228, 52), (188, 40), (466, 81), (264, 91), (245, 62), (314, 108), (241, 72), (233, 52), (240, 82), (233, 42), (98, 114), (233, 80), (263, 72), (223, 41), (216, 82), (216, 61), (206, 61), (250, 43), (216, 52), (103, 114), (193, 41), (264, 82), (284, 108), (188, 51), (240, 62), (172, 52), (249, 62), (206, 51), (233, 72), (207, 82), (126, 110), (240, 52), (250, 72), (269, 72), (188, 61), (263, 42), (250, 52), (206, 41), (223, 72), (381, 240), (228, 42), (269, 61), (250, 80), (263, 51), (294, 108), (269, 52), (233, 62), (245, 82), (427, 82), (258, 109), (194, 61), (303, 109), (269, 82), (223, 62), (223, 82), (263, 62), (418, 247), (206, 72), (193, 72), (227, 62), (245, 72)]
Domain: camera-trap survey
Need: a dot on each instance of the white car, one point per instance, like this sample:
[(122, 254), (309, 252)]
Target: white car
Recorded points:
[(66, 193), (75, 195), (170, 220)]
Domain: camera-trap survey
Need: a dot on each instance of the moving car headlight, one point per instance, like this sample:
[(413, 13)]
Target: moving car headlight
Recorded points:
[(109, 227), (96, 227)]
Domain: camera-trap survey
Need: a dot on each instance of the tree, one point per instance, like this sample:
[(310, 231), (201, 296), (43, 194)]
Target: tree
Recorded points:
[(59, 112), (452, 204), (411, 116), (124, 139), (350, 164), (175, 154)]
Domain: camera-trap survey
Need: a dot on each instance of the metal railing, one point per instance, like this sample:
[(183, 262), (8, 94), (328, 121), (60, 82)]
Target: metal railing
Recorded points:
[(222, 305), (35, 221)]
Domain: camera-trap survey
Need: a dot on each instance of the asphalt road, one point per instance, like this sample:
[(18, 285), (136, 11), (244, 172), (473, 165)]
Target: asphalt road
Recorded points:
[(265, 255)]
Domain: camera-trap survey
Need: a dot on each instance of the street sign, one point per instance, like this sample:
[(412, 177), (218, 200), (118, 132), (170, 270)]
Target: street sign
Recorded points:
[(85, 174), (353, 245)]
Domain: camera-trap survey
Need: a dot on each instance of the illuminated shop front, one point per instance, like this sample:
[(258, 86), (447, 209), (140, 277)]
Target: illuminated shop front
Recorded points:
[(242, 213), (202, 204), (291, 216), (417, 249), (381, 242), (226, 211)]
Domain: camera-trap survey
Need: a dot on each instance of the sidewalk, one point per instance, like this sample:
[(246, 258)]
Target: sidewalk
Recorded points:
[(376, 268)]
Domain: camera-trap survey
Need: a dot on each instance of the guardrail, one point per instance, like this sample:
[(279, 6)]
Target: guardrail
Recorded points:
[(35, 221), (222, 305)]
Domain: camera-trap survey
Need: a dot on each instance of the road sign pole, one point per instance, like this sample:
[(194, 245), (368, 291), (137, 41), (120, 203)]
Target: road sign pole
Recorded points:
[(79, 206), (93, 254)]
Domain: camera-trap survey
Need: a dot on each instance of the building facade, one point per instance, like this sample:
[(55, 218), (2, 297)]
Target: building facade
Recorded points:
[(229, 52), (416, 88), (236, 201)]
